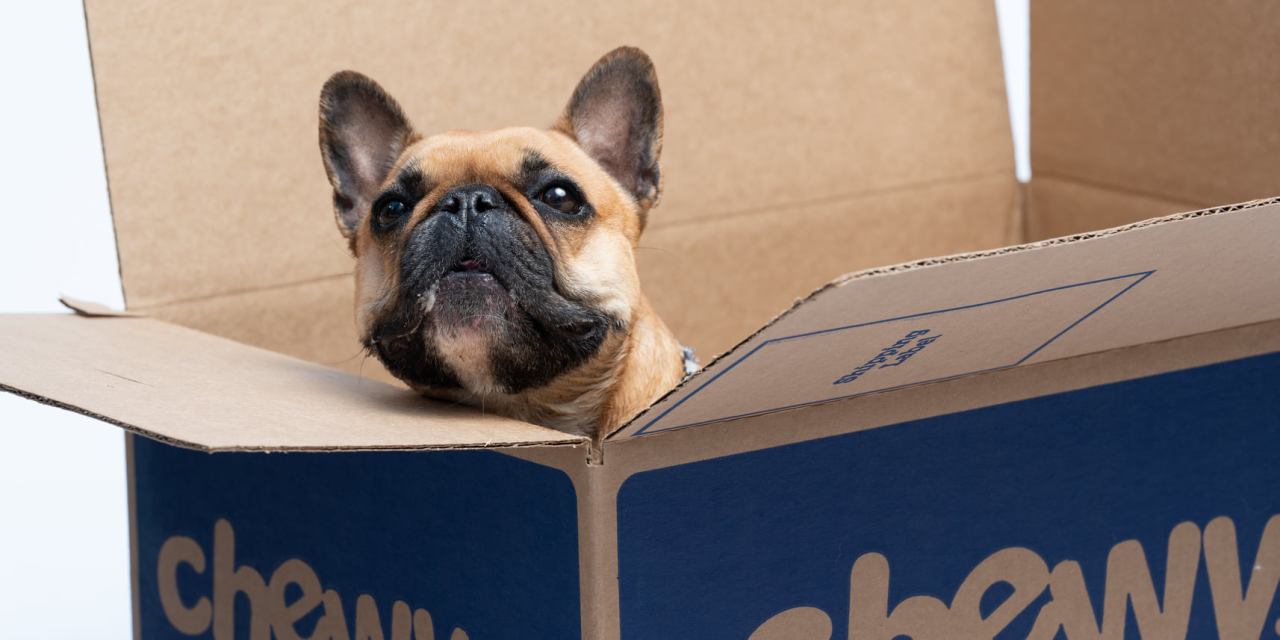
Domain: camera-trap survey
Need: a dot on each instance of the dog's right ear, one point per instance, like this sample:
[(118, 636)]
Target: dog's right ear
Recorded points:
[(362, 133)]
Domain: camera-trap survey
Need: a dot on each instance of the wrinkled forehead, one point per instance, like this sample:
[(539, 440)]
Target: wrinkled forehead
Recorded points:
[(502, 154), (513, 160)]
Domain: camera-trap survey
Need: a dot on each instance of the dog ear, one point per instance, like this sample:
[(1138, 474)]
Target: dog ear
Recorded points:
[(362, 133), (615, 115)]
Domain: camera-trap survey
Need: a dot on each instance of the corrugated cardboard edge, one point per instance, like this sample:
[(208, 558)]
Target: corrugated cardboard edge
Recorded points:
[(114, 369), (1079, 237), (106, 174), (129, 428), (98, 416), (135, 590), (939, 261), (979, 390)]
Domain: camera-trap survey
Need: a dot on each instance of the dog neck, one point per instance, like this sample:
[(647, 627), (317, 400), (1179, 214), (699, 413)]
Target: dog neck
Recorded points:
[(630, 372), (653, 364)]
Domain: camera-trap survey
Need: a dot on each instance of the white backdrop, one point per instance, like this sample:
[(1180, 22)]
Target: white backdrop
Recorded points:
[(64, 552)]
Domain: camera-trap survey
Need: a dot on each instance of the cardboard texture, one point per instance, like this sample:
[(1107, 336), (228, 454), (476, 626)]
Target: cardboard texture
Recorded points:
[(1141, 100), (1068, 438), (1154, 281), (195, 390), (309, 320), (254, 215), (836, 237), (1076, 207)]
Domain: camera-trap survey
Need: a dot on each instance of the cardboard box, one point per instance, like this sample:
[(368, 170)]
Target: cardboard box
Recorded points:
[(1076, 435)]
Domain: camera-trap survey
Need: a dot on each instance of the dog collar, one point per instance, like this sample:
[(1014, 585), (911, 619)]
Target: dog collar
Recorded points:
[(689, 361)]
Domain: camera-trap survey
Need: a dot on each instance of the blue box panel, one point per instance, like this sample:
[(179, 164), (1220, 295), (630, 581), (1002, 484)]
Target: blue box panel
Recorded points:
[(714, 549), (479, 541)]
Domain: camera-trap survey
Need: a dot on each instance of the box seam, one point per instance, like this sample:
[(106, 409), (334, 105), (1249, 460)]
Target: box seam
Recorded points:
[(1022, 212), (177, 302), (598, 545), (1103, 185), (827, 200)]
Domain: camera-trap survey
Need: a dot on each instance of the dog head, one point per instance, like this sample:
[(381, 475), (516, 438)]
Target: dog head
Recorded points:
[(495, 263)]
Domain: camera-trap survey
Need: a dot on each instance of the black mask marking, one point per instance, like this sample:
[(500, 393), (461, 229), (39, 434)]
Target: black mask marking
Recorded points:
[(476, 233)]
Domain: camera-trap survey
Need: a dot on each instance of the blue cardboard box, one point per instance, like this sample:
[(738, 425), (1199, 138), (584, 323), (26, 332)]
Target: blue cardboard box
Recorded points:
[(1029, 457), (1123, 510), (1065, 424)]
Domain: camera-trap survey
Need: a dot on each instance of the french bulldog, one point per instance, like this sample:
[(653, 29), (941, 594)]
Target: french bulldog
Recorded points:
[(497, 268)]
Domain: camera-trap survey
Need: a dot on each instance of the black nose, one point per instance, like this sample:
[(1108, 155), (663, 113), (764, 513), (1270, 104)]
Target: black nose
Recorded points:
[(471, 200)]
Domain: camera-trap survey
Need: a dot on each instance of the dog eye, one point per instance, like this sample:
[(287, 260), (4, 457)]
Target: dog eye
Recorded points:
[(389, 212), (562, 199)]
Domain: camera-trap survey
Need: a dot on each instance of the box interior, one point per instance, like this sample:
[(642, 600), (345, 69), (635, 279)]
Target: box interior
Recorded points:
[(1138, 110), (801, 144), (818, 141)]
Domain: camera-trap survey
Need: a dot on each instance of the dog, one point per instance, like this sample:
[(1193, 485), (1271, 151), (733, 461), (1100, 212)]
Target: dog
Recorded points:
[(497, 268)]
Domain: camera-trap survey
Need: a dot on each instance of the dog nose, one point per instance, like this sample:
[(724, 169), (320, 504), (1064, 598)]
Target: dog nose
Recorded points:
[(470, 200)]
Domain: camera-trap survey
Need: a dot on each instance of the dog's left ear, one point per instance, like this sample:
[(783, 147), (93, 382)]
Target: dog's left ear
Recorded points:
[(615, 114), (362, 133)]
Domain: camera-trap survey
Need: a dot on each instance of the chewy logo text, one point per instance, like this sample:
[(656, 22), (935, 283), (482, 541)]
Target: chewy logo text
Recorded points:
[(272, 612), (1240, 607)]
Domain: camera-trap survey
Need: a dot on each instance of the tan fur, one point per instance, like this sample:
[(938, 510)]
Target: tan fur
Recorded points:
[(598, 263)]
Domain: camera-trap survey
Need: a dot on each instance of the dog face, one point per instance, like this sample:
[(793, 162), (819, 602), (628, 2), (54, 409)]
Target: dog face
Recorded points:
[(497, 263)]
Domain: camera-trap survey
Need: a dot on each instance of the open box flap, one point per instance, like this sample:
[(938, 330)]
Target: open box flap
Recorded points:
[(1166, 107), (900, 326), (208, 119), (91, 309), (200, 391)]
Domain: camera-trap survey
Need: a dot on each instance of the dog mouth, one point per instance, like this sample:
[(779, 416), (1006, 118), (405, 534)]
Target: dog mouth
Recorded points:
[(470, 279), (469, 290), (470, 265)]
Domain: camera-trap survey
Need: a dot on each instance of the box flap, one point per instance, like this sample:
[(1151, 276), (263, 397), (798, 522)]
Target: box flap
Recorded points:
[(912, 324), (195, 390), (310, 320), (1174, 103), (91, 309), (209, 112)]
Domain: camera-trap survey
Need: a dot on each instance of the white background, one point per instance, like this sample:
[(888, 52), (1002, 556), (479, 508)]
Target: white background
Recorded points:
[(64, 551)]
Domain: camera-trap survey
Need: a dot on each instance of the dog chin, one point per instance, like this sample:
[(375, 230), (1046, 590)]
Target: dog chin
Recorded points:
[(470, 300), (469, 332)]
